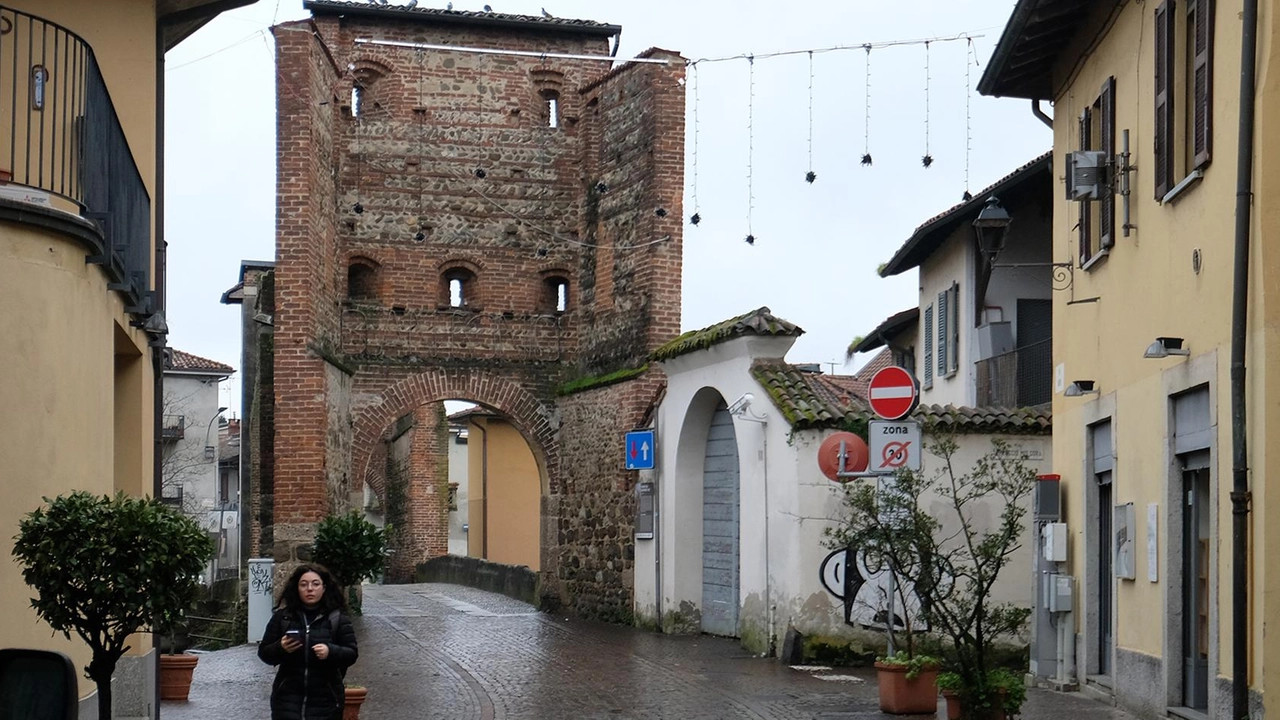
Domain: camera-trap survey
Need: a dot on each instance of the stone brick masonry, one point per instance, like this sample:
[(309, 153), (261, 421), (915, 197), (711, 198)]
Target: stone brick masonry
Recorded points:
[(406, 175)]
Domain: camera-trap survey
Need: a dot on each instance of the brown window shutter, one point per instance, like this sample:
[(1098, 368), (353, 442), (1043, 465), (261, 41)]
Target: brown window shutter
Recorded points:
[(1107, 203), (1086, 235), (1201, 12), (1164, 99)]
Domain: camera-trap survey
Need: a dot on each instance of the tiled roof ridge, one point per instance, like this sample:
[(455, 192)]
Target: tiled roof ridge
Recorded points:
[(757, 322), (179, 360), (552, 23)]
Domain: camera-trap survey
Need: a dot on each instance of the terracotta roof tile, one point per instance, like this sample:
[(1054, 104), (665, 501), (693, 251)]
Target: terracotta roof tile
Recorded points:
[(810, 400), (186, 362), (475, 17), (756, 322), (891, 326)]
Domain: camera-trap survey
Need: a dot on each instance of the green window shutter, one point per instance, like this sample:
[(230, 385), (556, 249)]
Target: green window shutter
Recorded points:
[(1107, 203), (943, 316), (953, 352), (1165, 42), (1200, 12), (928, 346)]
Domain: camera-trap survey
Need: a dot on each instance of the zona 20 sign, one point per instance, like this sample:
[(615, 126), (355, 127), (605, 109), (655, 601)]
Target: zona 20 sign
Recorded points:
[(893, 393)]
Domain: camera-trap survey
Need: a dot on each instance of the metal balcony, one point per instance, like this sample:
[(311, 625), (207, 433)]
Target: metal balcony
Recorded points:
[(60, 135)]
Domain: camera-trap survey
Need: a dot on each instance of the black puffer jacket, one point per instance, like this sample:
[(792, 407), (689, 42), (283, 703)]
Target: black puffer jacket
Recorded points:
[(306, 687)]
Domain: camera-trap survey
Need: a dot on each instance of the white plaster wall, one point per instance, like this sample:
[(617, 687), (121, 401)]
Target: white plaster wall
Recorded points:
[(195, 397), (696, 384), (458, 474), (1029, 240), (951, 263)]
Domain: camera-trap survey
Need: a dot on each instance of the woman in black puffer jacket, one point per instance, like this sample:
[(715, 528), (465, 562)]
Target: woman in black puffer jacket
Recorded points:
[(312, 641)]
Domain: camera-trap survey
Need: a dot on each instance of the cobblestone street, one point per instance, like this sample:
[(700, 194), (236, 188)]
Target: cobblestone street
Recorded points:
[(445, 651)]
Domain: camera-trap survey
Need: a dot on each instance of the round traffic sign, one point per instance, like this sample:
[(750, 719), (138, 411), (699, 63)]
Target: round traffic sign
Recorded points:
[(893, 393), (856, 455)]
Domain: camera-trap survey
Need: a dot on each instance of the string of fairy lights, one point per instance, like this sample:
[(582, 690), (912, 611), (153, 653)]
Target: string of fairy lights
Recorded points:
[(811, 176), (695, 88)]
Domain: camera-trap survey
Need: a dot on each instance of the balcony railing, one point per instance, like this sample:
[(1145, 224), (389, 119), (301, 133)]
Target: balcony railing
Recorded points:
[(173, 427), (1020, 378), (59, 133)]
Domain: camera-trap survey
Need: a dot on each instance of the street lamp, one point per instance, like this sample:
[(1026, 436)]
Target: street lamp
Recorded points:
[(211, 455), (990, 227)]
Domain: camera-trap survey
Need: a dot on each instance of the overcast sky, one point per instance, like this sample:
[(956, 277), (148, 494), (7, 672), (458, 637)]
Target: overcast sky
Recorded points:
[(817, 246)]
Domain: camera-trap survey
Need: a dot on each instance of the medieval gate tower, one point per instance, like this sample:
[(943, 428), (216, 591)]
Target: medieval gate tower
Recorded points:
[(466, 213)]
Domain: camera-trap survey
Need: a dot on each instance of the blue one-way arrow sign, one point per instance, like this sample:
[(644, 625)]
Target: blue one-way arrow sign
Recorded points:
[(640, 449)]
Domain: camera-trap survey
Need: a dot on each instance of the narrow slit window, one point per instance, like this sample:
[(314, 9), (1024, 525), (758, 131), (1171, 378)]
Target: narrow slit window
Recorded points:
[(456, 298), (562, 296), (357, 98)]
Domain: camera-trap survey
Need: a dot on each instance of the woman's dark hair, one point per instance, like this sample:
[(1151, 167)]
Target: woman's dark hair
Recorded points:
[(333, 598)]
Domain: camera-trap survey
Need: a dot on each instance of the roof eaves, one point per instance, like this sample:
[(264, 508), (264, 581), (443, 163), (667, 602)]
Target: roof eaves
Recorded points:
[(1042, 28), (933, 232), (891, 326)]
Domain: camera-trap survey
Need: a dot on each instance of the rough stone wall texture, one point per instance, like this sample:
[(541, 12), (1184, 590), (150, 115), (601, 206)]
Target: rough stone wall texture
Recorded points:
[(589, 568), (401, 171)]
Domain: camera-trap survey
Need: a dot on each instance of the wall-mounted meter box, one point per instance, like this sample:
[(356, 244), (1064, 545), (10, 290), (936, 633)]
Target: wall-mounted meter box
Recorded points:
[(1053, 538), (1061, 593)]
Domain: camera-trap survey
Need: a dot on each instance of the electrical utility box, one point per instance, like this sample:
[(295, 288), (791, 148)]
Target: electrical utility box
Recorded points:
[(1046, 498), (1053, 538), (1061, 593)]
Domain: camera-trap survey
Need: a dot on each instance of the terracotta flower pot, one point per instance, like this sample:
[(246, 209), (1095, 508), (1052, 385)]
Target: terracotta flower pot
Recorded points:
[(954, 708), (902, 696), (354, 699), (175, 676)]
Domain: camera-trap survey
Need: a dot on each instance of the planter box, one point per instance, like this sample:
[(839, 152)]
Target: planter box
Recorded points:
[(902, 696), (954, 709)]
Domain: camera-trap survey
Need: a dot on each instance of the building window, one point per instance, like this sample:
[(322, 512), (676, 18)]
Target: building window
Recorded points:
[(460, 288), (1096, 228), (1183, 92), (362, 282), (928, 347), (555, 294), (905, 359), (948, 340), (551, 107)]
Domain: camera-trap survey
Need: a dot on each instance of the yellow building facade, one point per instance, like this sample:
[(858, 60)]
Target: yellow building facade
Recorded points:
[(1146, 452), (504, 494), (81, 282)]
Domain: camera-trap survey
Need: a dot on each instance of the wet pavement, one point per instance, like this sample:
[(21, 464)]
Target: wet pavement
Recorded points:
[(451, 652)]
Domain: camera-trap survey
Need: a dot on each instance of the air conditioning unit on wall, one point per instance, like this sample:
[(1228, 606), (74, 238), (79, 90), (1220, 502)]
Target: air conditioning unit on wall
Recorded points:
[(1086, 174)]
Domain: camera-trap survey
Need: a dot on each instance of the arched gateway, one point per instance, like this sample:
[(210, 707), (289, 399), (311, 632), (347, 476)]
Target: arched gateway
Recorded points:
[(438, 237)]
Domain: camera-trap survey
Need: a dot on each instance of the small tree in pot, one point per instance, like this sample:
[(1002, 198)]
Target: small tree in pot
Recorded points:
[(108, 567), (949, 559), (353, 549)]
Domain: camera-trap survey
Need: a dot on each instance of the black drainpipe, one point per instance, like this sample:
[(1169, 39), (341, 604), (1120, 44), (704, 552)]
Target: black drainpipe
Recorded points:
[(1040, 115), (157, 343), (1240, 495)]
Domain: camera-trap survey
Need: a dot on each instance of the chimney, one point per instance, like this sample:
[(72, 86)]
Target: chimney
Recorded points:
[(233, 427)]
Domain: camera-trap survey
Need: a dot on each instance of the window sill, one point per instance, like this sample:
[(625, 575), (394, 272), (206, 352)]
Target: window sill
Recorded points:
[(1187, 183), (1093, 261)]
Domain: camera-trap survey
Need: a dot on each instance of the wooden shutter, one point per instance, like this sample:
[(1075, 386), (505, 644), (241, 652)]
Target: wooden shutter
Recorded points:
[(928, 346), (1107, 203), (1165, 43), (944, 315), (1085, 225), (1200, 12)]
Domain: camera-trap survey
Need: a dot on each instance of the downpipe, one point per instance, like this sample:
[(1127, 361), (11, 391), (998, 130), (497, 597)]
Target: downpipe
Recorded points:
[(1240, 495)]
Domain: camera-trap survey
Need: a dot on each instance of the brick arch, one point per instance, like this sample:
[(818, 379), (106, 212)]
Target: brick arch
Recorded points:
[(527, 413)]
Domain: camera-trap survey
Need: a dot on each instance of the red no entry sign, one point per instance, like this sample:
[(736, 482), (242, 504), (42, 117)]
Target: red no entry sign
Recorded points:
[(893, 393)]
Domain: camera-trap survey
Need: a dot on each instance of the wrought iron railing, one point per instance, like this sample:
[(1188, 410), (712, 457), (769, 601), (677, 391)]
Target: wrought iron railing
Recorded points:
[(59, 133), (1020, 378)]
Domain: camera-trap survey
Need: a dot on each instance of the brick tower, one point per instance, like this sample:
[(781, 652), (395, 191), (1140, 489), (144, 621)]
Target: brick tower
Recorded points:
[(464, 213)]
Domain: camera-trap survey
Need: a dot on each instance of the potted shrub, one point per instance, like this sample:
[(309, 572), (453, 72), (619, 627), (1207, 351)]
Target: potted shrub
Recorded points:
[(355, 696), (908, 683), (949, 561), (353, 549), (107, 567)]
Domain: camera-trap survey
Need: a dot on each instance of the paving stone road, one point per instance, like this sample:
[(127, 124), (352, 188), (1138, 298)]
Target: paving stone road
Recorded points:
[(455, 653)]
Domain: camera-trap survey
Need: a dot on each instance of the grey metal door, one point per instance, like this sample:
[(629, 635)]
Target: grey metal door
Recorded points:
[(720, 528), (1106, 574)]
